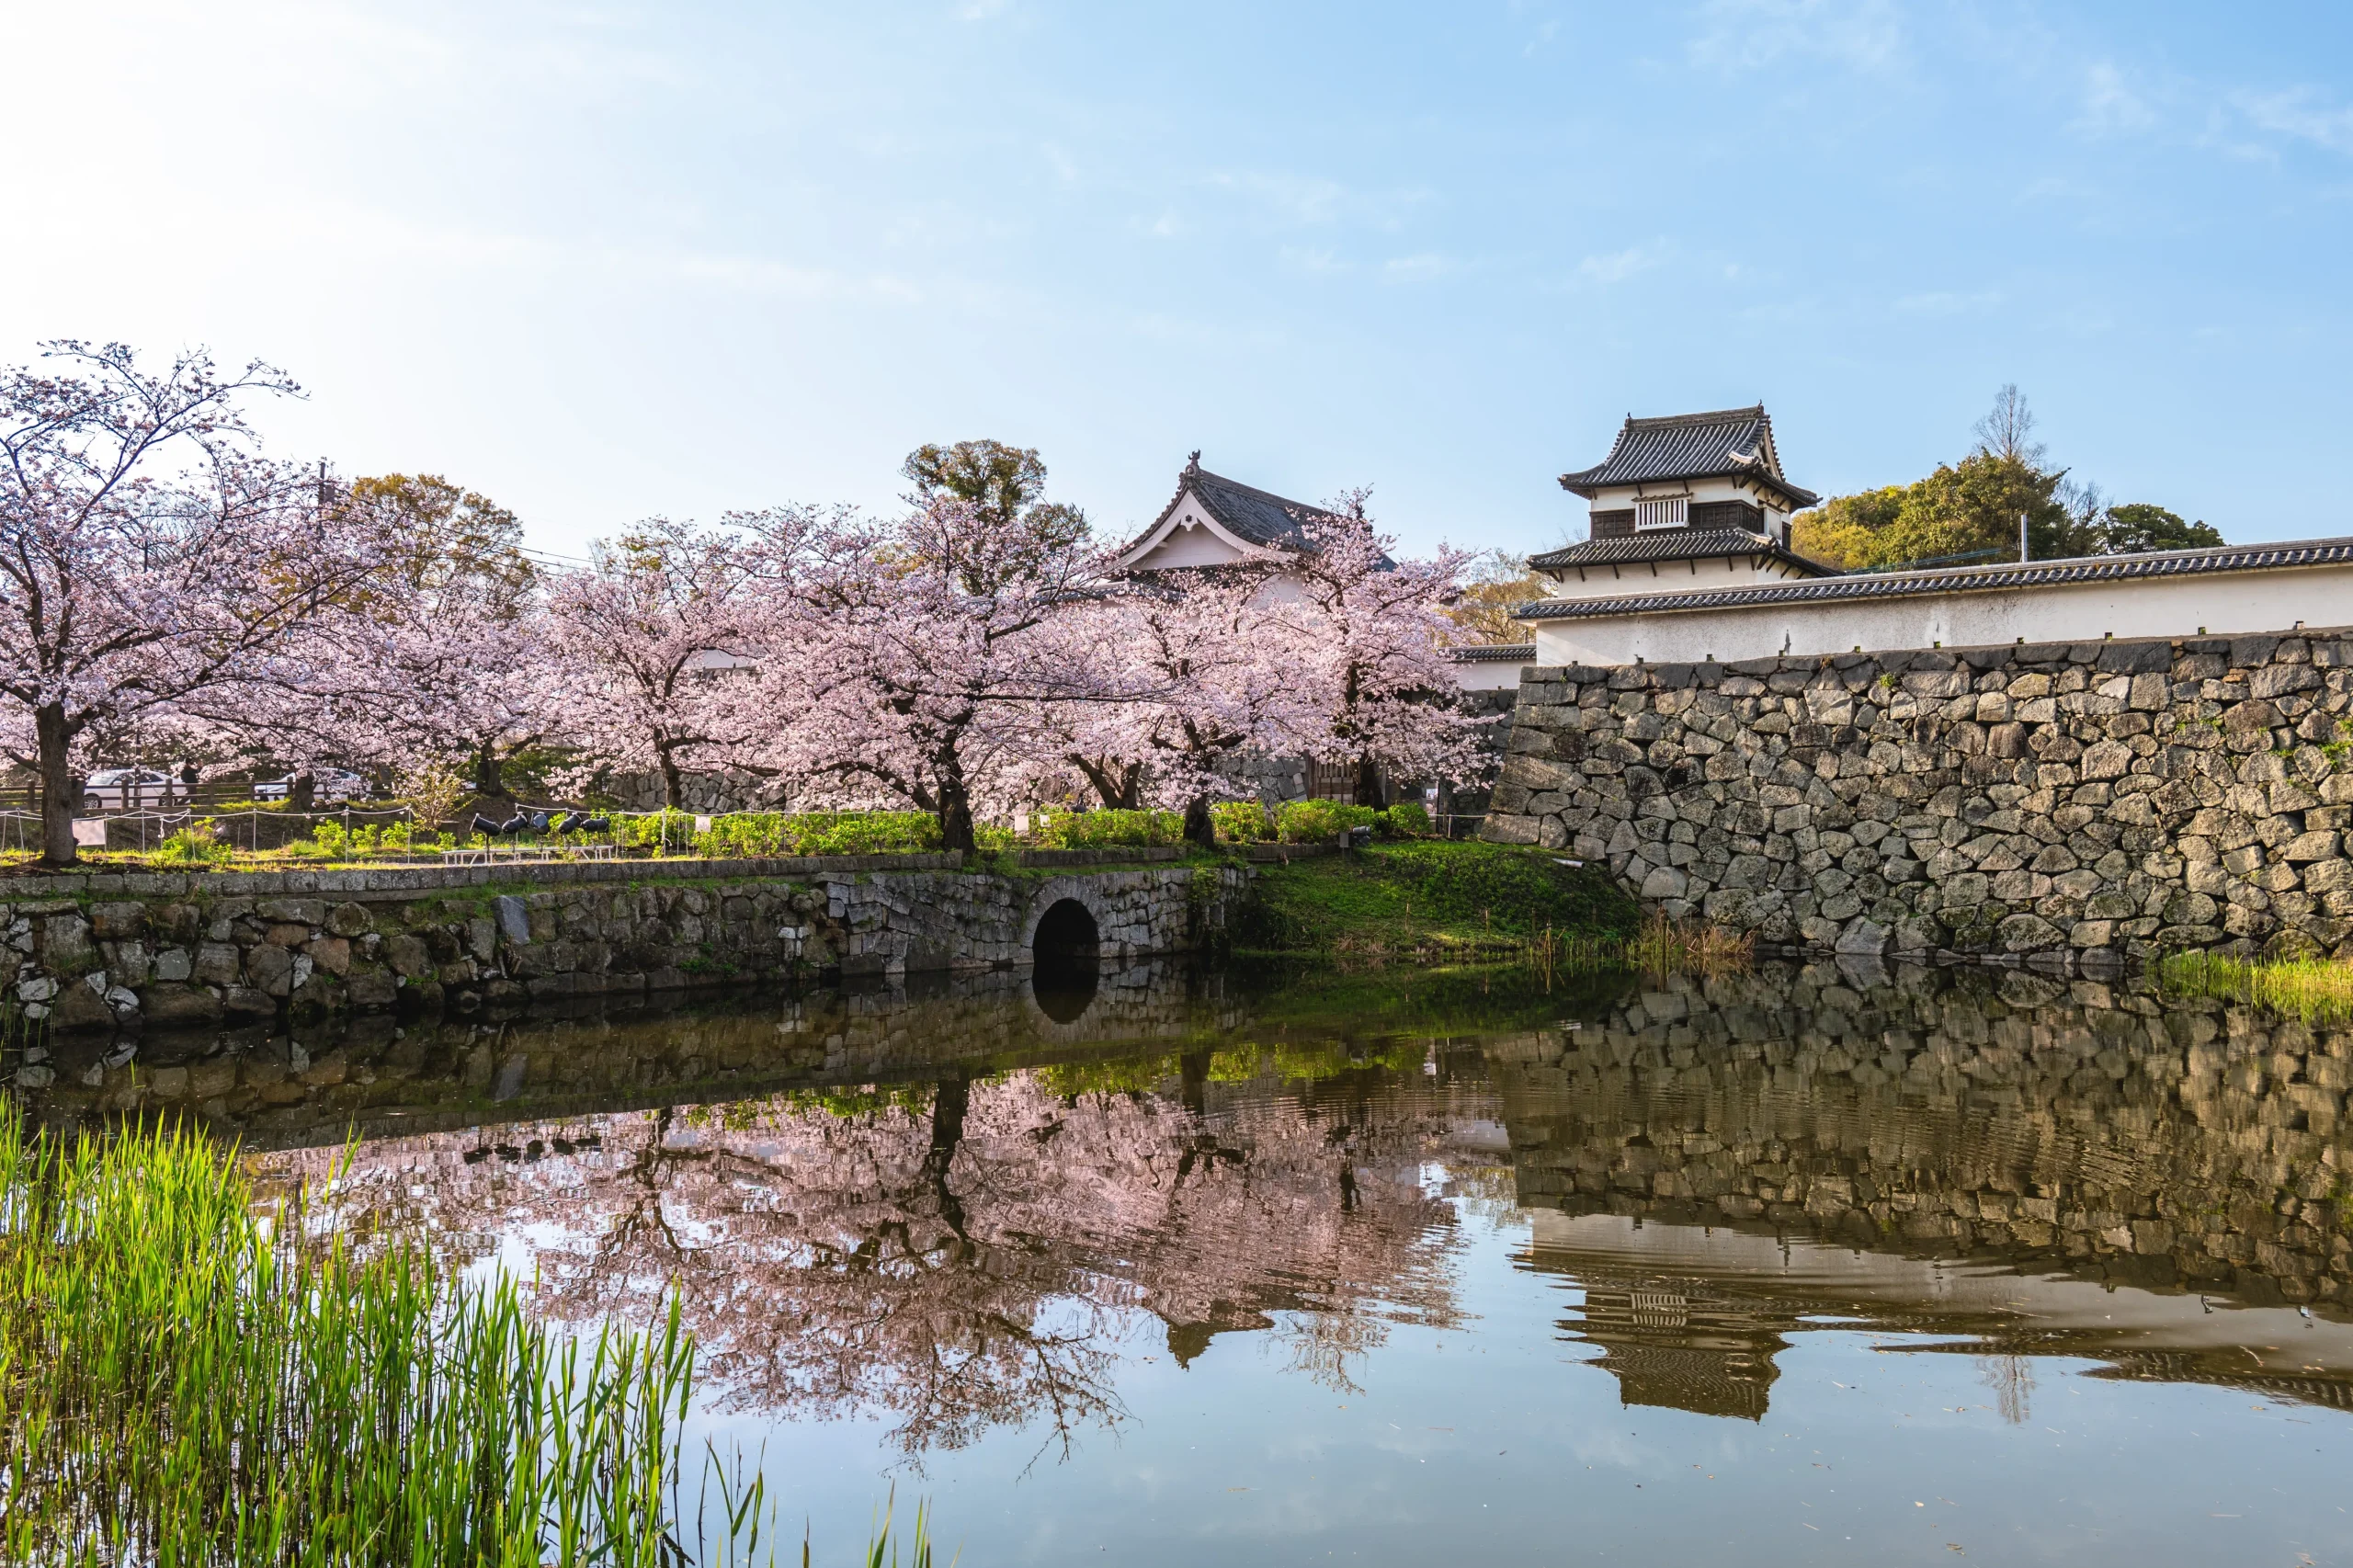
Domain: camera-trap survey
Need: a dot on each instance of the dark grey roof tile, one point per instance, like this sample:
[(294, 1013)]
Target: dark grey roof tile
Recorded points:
[(1673, 544), (1728, 443), (1971, 579)]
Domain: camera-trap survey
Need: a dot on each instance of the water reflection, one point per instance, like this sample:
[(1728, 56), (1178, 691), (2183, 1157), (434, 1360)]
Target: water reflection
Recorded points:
[(950, 1210)]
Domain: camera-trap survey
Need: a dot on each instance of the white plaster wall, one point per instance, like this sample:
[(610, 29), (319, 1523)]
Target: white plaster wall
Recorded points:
[(1619, 498), (1190, 539), (2221, 603), (1488, 675), (1660, 577)]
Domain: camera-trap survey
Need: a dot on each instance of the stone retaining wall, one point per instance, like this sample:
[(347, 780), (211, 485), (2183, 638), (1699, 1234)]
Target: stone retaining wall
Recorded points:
[(122, 950), (2100, 800)]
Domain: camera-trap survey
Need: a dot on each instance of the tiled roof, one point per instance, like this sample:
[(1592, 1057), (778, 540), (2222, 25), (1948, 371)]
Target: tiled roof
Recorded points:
[(1254, 515), (1673, 544), (1972, 579), (1727, 444), (1493, 654)]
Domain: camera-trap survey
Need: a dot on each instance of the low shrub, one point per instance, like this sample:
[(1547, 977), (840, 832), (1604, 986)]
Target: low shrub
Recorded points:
[(1105, 829), (1408, 819), (1320, 822), (199, 843), (333, 841), (1241, 822), (758, 835)]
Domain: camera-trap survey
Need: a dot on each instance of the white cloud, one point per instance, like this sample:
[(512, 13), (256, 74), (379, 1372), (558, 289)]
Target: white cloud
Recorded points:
[(1746, 35), (1299, 198), (1618, 266), (2301, 113), (1415, 269), (2111, 105), (1312, 259), (1946, 303)]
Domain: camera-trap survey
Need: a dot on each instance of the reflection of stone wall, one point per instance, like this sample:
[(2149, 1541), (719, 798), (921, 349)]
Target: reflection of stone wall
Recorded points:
[(2106, 797), (1954, 1110), (328, 1078), (200, 949)]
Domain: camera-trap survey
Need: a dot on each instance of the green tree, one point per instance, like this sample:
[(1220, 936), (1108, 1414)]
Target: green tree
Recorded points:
[(1004, 482), (2138, 527), (1496, 580), (447, 534), (1974, 505)]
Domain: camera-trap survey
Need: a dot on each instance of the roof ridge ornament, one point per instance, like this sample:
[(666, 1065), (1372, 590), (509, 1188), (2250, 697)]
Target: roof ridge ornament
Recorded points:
[(1193, 463)]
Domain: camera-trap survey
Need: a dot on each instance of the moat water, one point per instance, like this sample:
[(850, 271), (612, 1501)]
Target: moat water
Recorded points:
[(1812, 1265)]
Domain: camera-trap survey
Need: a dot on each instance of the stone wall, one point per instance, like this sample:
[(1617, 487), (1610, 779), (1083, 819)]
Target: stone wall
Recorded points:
[(2098, 801), (2163, 1139), (123, 950)]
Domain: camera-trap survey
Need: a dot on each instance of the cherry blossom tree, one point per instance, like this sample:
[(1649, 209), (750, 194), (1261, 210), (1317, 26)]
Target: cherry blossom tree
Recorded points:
[(130, 591), (446, 675), (444, 654), (911, 657), (1371, 630), (1202, 669), (655, 641)]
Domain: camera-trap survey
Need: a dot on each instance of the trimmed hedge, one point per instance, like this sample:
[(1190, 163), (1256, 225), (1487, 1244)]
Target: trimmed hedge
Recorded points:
[(1105, 829), (760, 835)]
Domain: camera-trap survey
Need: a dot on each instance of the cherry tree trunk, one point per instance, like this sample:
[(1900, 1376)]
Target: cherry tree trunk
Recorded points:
[(955, 801), (956, 822), (674, 783), (1368, 783), (61, 792), (1200, 826), (487, 779)]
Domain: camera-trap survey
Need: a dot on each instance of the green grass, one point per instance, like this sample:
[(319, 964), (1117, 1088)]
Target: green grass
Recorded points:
[(1433, 900), (186, 1379), (2315, 990)]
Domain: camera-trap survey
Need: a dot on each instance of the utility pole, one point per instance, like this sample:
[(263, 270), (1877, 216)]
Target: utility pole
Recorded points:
[(2022, 555)]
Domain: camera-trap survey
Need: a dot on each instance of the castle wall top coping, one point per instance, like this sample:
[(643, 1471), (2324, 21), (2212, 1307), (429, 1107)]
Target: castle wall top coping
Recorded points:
[(384, 881)]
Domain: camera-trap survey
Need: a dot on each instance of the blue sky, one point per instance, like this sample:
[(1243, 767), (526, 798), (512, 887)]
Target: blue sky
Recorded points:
[(606, 260)]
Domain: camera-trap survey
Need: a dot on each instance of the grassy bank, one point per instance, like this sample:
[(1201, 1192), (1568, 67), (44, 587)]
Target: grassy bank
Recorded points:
[(1434, 901), (184, 1380), (2315, 990)]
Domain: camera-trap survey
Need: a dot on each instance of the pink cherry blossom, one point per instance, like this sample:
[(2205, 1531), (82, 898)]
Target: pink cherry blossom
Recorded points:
[(130, 593), (656, 644)]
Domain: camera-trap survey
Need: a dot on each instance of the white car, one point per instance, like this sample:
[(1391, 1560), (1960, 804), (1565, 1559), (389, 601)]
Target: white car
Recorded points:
[(127, 789), (328, 784)]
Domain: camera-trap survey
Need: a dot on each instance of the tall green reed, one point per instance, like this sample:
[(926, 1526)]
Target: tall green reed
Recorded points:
[(2317, 991), (190, 1380)]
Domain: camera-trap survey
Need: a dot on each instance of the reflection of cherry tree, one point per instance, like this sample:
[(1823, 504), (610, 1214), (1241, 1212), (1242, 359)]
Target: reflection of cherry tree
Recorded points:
[(972, 1261)]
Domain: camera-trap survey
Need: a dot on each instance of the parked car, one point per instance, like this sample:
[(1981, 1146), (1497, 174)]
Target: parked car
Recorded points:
[(328, 784), (127, 789)]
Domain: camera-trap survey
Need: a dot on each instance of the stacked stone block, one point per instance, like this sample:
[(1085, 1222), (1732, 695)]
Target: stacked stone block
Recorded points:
[(198, 951), (2100, 800)]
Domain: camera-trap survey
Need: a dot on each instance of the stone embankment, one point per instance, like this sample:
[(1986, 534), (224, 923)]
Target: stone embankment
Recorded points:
[(2096, 801), (2165, 1141), (106, 951)]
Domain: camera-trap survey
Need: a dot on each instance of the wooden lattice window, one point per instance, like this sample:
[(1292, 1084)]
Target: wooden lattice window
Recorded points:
[(1666, 512)]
